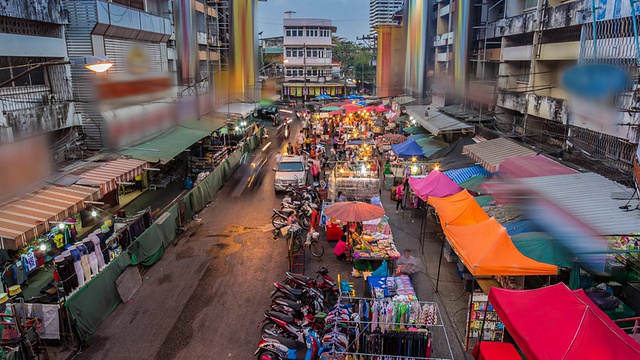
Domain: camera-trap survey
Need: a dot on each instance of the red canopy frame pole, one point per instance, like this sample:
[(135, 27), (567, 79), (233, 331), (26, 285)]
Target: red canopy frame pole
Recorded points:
[(473, 282)]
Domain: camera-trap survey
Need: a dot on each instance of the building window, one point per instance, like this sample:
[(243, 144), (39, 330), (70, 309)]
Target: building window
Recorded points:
[(530, 4), (288, 32), (314, 53), (134, 4), (288, 52), (328, 53), (288, 72), (11, 67), (293, 31)]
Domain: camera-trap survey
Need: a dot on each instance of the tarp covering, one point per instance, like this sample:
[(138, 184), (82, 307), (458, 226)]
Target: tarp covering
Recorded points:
[(556, 323), (430, 145), (463, 174), (460, 209), (437, 122), (415, 130), (166, 146), (532, 166), (473, 183), (454, 149), (542, 247), (486, 249), (435, 184), (516, 227), (97, 299), (407, 149)]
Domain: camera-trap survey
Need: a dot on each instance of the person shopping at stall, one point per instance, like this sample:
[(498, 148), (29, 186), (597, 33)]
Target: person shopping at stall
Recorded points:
[(341, 250), (407, 265)]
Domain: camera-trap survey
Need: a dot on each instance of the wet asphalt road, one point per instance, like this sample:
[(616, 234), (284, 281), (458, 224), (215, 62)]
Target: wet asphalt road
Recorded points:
[(206, 296)]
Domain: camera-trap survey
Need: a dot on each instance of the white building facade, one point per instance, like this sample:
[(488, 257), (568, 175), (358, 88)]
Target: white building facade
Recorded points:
[(308, 50)]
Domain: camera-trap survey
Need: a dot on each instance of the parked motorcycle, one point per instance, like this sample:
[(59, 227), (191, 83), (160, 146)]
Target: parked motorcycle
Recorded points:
[(322, 282), (280, 348), (307, 296)]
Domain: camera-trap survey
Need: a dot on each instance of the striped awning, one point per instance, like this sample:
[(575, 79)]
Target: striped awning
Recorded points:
[(24, 219), (461, 175), (113, 172)]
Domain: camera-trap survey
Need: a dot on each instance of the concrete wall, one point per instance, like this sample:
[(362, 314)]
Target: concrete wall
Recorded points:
[(390, 60)]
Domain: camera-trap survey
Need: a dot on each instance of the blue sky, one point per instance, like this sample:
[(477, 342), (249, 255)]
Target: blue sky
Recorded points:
[(351, 17)]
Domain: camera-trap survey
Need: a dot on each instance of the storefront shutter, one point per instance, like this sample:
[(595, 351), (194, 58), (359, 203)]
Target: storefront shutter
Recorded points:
[(119, 50)]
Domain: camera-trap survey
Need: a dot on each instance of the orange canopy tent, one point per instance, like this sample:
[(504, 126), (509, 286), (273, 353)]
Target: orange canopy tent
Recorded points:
[(486, 249), (459, 209)]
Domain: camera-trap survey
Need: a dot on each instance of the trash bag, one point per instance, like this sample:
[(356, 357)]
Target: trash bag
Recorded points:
[(383, 270), (188, 184)]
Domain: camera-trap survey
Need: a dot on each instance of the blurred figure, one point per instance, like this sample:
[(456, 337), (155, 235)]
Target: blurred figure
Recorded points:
[(290, 150), (278, 158)]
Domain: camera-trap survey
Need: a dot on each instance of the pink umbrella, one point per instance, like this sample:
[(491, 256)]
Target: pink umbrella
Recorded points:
[(436, 184), (369, 108), (381, 107), (351, 108)]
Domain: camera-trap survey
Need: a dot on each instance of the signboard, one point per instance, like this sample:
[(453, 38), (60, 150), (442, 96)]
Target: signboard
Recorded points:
[(594, 81)]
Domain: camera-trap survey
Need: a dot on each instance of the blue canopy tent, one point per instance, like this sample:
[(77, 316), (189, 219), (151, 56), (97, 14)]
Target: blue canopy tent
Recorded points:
[(323, 97), (407, 149), (355, 97)]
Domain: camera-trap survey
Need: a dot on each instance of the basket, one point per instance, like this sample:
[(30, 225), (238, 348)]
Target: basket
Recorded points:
[(324, 194)]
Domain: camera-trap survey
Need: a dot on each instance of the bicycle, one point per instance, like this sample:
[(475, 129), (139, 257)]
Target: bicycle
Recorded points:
[(298, 241)]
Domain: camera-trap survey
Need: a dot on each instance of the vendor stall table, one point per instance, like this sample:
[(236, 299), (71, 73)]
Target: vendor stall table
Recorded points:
[(380, 286)]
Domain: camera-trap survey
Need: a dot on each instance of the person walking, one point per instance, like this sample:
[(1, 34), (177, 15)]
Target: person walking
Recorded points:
[(290, 150), (315, 169), (299, 141), (407, 265), (399, 197)]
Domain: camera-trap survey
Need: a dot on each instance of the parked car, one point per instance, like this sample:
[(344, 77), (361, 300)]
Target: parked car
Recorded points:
[(292, 170)]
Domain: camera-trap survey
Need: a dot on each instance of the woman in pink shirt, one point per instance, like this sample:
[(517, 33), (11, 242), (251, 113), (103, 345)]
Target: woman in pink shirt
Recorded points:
[(399, 197)]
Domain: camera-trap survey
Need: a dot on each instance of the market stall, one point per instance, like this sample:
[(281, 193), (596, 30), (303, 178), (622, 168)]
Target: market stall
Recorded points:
[(355, 179), (390, 327), (557, 323)]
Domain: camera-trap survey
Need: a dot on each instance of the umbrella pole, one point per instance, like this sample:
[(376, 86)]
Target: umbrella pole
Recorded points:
[(440, 263)]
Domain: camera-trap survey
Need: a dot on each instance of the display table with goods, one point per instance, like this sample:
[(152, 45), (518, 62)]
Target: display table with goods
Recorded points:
[(380, 287), (387, 328), (380, 226), (375, 246), (354, 180), (482, 312)]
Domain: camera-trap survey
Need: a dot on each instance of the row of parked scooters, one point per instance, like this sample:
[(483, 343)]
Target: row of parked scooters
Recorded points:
[(299, 314)]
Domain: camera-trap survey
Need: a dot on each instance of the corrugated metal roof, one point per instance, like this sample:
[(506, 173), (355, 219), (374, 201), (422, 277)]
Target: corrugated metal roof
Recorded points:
[(588, 198), (493, 152), (436, 122), (461, 175)]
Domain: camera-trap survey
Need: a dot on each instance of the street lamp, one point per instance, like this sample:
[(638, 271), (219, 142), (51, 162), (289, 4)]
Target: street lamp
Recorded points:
[(97, 64)]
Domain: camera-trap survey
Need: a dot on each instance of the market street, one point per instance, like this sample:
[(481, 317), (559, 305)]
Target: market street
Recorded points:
[(208, 293)]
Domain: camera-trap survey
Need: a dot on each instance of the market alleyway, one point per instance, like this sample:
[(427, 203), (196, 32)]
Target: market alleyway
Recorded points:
[(206, 296)]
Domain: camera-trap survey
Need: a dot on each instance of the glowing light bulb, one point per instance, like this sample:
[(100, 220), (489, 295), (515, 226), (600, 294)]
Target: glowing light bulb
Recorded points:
[(61, 226), (94, 213), (43, 247)]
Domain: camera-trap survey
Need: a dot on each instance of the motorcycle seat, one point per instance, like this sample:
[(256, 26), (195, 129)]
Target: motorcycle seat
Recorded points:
[(291, 344), (290, 303), (278, 315), (294, 292), (305, 279)]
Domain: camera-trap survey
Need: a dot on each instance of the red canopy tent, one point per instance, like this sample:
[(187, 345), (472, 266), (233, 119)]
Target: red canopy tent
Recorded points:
[(556, 323), (351, 108), (435, 184)]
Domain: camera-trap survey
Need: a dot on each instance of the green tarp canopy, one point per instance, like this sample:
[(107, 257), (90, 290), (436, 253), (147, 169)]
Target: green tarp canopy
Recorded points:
[(331, 108), (542, 247), (474, 183), (430, 146), (165, 147), (413, 130), (484, 200)]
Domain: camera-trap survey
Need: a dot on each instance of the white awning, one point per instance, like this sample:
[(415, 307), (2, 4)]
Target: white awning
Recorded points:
[(436, 122)]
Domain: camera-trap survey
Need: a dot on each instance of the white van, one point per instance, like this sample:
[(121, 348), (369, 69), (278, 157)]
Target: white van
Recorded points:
[(292, 170)]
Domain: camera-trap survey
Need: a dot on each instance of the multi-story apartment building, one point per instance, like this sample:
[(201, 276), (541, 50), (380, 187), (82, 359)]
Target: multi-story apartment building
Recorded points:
[(307, 60), (381, 13), (40, 101), (503, 61)]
